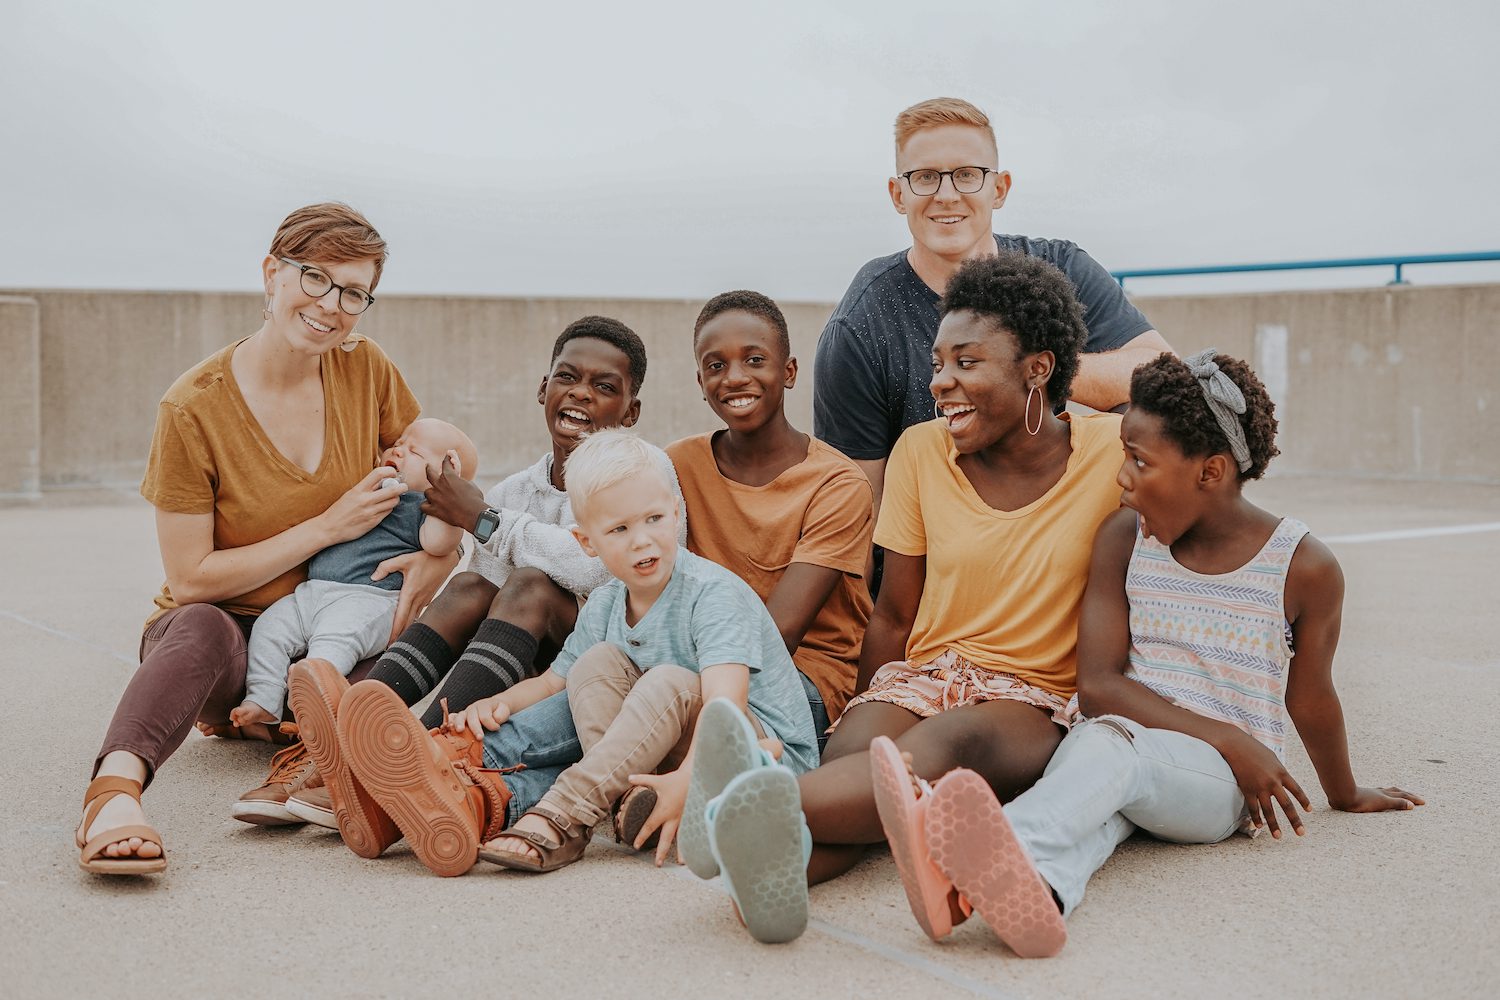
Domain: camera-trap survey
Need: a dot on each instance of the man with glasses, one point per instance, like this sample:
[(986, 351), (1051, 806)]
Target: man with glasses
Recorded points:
[(874, 357)]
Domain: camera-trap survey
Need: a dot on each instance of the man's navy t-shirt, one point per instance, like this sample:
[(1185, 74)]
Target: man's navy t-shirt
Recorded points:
[(874, 360)]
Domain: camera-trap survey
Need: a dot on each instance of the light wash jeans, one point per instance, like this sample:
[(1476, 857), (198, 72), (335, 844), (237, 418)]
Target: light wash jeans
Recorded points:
[(543, 738), (1110, 776)]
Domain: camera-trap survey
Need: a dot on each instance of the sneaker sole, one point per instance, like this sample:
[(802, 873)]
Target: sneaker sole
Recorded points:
[(974, 845), (392, 756), (314, 690), (757, 838), (264, 814), (308, 813), (726, 748), (902, 816), (633, 817)]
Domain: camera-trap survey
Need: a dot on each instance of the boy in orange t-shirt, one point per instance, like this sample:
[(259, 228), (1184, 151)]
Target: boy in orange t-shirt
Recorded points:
[(784, 511)]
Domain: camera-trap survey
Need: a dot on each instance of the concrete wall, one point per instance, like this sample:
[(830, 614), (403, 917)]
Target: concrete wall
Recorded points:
[(20, 397), (1396, 383), (1400, 382), (107, 357)]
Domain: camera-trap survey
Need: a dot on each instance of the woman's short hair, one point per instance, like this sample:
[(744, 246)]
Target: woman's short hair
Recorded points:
[(1165, 388), (607, 457), (1032, 300), (329, 232)]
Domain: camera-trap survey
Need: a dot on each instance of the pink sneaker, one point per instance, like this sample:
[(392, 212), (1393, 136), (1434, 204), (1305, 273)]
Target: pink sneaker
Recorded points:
[(973, 843), (902, 799)]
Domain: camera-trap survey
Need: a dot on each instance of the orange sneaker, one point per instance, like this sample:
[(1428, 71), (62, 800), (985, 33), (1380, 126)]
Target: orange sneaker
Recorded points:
[(315, 691), (433, 784), (314, 803), (265, 805)]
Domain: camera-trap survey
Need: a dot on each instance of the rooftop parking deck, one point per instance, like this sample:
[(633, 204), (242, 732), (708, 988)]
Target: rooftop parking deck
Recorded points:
[(1390, 905)]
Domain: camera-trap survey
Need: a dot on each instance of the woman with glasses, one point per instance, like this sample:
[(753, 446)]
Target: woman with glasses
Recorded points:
[(262, 456)]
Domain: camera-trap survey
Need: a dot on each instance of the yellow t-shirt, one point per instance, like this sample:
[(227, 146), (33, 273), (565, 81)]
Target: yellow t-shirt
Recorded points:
[(209, 454), (817, 512), (1003, 588)]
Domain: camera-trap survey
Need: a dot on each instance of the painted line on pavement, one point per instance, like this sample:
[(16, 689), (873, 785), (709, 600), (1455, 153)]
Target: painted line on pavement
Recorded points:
[(912, 960), (71, 637), (1405, 533)]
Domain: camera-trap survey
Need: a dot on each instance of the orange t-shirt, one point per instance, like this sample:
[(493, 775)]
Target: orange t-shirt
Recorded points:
[(1003, 588), (816, 512), (210, 455)]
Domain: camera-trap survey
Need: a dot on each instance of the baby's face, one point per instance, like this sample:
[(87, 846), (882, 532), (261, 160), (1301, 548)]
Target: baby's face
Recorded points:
[(420, 446)]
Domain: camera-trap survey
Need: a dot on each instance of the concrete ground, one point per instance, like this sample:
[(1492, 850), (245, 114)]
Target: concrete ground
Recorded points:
[(1386, 905)]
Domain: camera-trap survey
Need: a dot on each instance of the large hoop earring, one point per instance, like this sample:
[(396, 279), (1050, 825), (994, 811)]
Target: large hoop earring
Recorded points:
[(937, 409), (1040, 411)]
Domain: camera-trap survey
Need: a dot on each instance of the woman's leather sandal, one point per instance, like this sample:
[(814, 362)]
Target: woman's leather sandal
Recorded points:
[(91, 855)]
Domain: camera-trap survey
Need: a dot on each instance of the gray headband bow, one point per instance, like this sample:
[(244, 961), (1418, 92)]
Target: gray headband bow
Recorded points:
[(1225, 402)]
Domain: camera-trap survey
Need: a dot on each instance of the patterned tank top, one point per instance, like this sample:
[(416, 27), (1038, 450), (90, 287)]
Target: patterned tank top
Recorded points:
[(1220, 644)]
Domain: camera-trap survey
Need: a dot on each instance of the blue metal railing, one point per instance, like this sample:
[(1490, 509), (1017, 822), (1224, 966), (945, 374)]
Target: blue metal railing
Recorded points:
[(1312, 265)]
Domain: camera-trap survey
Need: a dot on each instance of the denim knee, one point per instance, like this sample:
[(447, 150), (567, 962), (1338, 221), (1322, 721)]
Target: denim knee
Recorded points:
[(1120, 726), (540, 735)]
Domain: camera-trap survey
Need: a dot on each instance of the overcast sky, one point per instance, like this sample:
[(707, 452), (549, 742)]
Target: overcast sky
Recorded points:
[(676, 150)]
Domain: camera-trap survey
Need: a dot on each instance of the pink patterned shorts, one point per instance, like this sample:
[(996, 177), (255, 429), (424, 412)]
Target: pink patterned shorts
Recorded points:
[(951, 681)]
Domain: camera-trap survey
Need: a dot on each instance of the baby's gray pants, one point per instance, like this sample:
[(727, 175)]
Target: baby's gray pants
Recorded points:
[(339, 622)]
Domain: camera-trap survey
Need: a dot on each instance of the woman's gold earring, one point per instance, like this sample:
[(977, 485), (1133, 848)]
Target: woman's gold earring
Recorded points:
[(266, 312), (1041, 410)]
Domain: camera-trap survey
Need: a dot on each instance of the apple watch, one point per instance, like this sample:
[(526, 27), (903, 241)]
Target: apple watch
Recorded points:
[(489, 520)]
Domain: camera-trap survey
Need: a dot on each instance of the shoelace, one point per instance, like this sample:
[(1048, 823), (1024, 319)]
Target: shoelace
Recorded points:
[(486, 780), (287, 765)]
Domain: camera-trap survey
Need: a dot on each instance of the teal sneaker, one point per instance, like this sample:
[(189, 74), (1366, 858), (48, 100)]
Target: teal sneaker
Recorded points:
[(762, 845), (726, 747)]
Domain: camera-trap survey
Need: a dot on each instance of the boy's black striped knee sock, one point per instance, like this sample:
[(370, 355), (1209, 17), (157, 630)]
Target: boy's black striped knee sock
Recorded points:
[(414, 663), (499, 656)]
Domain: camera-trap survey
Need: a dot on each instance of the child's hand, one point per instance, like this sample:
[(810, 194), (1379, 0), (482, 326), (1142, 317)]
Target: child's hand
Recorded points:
[(251, 714), (487, 713), (671, 795), (451, 498), (1265, 783), (1374, 800)]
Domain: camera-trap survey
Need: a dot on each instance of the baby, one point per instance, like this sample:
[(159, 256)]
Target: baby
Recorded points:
[(339, 614)]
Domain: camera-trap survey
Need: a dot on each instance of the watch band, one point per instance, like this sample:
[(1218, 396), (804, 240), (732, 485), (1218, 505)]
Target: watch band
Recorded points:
[(485, 525)]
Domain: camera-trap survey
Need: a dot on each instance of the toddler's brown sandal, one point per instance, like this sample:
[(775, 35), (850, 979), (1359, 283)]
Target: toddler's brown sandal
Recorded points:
[(631, 813), (556, 853), (91, 857)]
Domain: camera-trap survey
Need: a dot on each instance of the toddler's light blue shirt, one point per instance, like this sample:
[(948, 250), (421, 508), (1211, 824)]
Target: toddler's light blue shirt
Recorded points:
[(706, 616)]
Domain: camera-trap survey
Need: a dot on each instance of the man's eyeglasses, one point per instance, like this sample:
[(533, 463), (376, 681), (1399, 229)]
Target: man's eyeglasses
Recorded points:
[(966, 180), (317, 284)]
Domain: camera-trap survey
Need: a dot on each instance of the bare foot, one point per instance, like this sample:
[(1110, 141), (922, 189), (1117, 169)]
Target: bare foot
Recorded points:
[(517, 846), (122, 810), (226, 731), (250, 714)]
